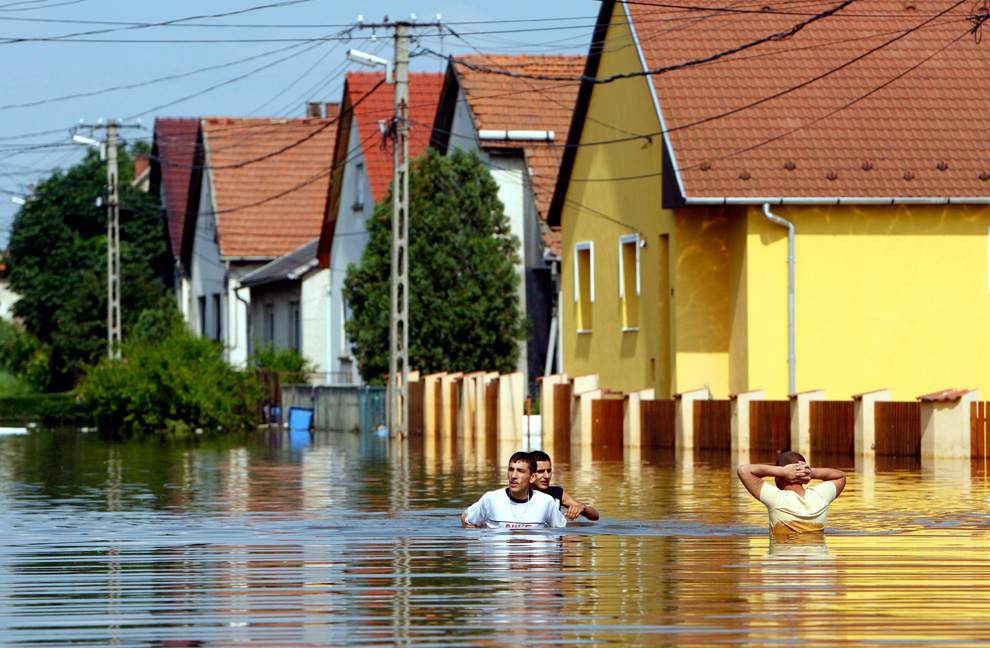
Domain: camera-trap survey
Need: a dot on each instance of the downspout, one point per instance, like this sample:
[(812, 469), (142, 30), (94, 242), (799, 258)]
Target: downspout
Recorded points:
[(791, 359), (329, 327), (235, 321)]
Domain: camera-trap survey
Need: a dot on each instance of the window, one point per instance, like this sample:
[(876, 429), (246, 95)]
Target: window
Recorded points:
[(270, 325), (629, 281), (296, 328), (358, 186), (217, 329), (202, 315), (584, 283)]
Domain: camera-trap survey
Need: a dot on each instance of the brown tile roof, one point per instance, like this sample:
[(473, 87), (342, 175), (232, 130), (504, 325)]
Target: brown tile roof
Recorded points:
[(424, 93), (500, 102), (174, 149), (899, 109), (270, 207)]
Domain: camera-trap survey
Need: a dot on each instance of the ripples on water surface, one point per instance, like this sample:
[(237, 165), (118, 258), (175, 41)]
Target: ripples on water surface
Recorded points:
[(340, 542)]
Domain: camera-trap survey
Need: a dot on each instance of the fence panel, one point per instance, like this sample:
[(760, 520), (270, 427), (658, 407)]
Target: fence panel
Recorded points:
[(561, 416), (491, 414), (657, 419), (713, 424), (898, 428), (373, 407), (833, 428), (606, 423), (416, 414), (769, 429), (979, 433)]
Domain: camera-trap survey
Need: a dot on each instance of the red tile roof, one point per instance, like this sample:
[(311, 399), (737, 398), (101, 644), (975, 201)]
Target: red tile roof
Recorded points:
[(946, 395), (877, 100), (270, 207), (509, 103), (424, 93), (174, 150)]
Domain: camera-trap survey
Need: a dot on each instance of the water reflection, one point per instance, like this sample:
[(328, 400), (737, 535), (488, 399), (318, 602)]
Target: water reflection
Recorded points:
[(352, 540)]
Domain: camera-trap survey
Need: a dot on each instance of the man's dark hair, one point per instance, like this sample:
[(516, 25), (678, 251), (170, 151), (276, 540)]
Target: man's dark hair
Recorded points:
[(539, 455), (524, 456), (789, 457)]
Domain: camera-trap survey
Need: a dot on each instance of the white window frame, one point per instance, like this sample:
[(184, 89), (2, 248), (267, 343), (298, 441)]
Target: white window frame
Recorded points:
[(625, 240), (590, 246)]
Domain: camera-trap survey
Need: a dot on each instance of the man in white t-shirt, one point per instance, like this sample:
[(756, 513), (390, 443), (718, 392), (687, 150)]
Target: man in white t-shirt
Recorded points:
[(792, 506), (518, 506)]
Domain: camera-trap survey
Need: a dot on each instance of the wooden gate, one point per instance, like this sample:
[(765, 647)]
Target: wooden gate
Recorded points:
[(833, 428), (713, 424), (769, 429), (898, 428), (561, 418), (416, 391), (657, 419), (607, 422), (979, 442), (491, 418)]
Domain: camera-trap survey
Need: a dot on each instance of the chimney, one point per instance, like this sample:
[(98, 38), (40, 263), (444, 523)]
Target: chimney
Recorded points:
[(333, 109), (314, 110)]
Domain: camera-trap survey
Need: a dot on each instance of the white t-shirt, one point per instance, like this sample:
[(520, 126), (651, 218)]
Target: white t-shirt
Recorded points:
[(791, 513), (496, 510)]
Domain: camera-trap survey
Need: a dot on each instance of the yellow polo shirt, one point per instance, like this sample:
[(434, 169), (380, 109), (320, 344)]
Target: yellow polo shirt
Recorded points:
[(792, 513)]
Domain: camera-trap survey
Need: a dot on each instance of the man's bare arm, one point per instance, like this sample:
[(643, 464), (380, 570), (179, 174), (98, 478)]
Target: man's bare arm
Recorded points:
[(751, 475), (836, 477), (576, 508)]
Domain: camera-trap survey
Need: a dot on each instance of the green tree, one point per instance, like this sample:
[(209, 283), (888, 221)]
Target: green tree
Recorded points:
[(463, 306), (57, 256)]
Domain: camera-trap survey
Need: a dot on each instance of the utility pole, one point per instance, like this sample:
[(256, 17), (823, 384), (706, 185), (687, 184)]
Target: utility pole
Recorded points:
[(108, 151), (398, 411), (113, 246), (398, 357)]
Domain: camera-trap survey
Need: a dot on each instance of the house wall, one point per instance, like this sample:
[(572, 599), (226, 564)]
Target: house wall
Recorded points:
[(886, 297), (271, 315), (207, 271), (314, 300), (602, 212), (349, 240)]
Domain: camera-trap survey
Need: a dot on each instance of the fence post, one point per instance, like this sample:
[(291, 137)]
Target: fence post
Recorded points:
[(864, 410), (632, 418), (684, 423), (801, 419), (945, 425), (547, 402), (740, 417)]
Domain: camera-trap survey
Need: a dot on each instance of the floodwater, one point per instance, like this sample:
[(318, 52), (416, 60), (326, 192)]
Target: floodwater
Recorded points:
[(342, 540)]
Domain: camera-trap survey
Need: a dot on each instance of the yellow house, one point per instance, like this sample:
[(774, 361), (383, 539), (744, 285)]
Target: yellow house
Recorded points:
[(707, 132)]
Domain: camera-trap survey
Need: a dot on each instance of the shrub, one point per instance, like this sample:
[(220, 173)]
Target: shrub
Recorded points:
[(170, 388), (288, 362), (51, 409)]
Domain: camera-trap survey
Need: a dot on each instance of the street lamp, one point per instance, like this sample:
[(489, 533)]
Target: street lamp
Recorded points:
[(372, 61)]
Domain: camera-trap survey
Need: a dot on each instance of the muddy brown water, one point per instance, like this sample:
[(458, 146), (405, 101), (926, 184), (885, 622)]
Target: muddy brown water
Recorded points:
[(342, 540)]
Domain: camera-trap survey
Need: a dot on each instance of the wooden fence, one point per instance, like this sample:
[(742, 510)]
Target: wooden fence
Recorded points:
[(713, 424), (561, 417), (607, 422), (898, 428), (416, 391), (979, 432), (833, 428), (769, 428), (658, 420)]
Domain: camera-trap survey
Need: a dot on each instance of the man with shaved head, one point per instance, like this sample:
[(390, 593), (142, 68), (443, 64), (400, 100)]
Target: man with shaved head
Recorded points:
[(793, 506)]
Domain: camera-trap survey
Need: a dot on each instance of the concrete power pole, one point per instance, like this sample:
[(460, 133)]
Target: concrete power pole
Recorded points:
[(398, 410), (113, 246)]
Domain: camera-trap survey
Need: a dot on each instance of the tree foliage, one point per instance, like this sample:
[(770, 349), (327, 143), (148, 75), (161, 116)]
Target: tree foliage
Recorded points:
[(463, 306), (58, 262), (170, 387)]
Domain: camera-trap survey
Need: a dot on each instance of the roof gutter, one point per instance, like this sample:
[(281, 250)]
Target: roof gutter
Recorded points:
[(838, 200), (516, 135)]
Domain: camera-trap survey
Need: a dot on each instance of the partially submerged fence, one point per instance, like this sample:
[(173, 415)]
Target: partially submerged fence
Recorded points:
[(769, 427), (833, 428), (897, 426)]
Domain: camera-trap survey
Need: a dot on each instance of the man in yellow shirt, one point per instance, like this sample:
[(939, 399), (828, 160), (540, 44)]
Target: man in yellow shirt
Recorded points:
[(793, 507)]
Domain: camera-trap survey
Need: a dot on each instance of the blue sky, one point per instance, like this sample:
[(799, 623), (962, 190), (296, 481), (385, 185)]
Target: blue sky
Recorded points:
[(296, 51)]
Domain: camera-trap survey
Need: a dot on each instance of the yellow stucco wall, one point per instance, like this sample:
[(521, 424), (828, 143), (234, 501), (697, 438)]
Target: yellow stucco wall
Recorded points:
[(602, 210), (683, 339), (886, 297)]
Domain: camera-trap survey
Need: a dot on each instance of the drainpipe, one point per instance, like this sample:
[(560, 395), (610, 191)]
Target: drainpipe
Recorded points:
[(328, 339), (791, 358)]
